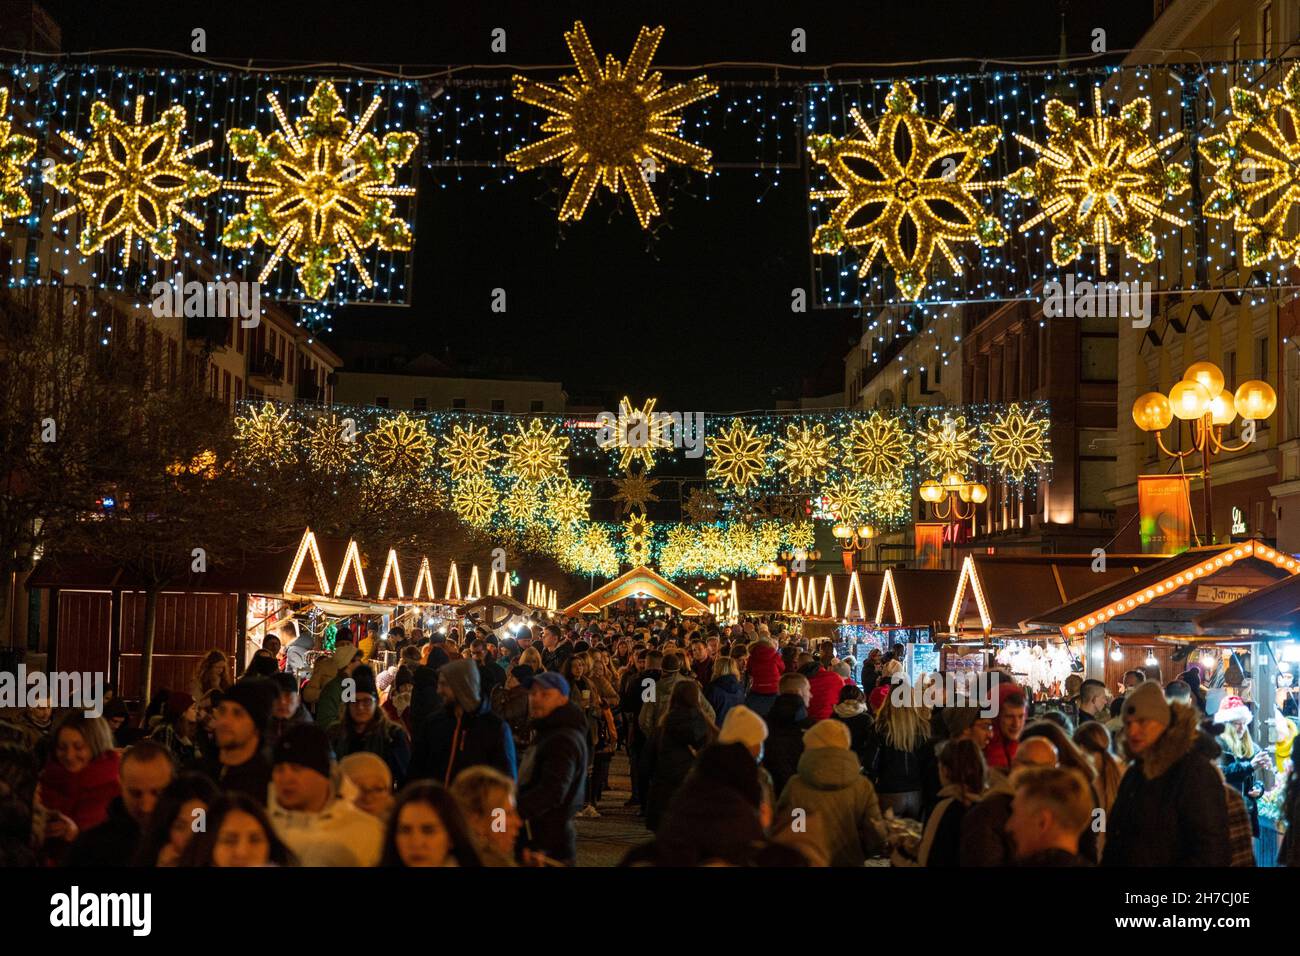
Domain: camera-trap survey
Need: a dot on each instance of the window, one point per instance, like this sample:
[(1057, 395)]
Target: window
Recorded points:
[(498, 404), (381, 401), (535, 405), (1099, 361), (239, 388), (458, 403), (1261, 358), (1266, 30), (1230, 371), (225, 387), (421, 404), (1234, 54)]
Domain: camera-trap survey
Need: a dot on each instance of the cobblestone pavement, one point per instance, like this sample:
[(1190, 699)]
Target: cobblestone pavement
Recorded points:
[(602, 841)]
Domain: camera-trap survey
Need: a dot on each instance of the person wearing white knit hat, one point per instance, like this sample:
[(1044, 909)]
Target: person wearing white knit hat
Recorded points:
[(744, 726)]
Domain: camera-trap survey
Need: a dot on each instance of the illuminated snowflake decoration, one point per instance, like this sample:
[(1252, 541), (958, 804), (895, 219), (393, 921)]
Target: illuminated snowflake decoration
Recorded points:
[(567, 501), (320, 190), (614, 125), (468, 451), (847, 498), (1101, 181), (267, 436), (800, 535), (804, 453), (890, 504), (589, 550), (739, 456), (636, 434), (535, 453), (922, 183), (945, 445), (635, 491), (1257, 170), (15, 152), (702, 506), (877, 448), (132, 179), (1017, 442), (332, 444), (522, 503), (637, 531), (401, 446), (474, 499)]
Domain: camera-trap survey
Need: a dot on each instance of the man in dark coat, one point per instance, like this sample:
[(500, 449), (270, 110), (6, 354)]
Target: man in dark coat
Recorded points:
[(146, 770), (786, 722), (1170, 809), (553, 775), (240, 762), (463, 732), (632, 697)]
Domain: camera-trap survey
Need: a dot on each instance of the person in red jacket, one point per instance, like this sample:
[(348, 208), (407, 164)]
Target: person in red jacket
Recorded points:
[(765, 668), (79, 781), (1009, 723), (825, 684)]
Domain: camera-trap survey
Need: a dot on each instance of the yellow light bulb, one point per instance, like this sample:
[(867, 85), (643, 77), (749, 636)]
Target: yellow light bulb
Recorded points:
[(1152, 412), (1255, 399), (1222, 409), (1208, 374), (1189, 400), (931, 491), (979, 494)]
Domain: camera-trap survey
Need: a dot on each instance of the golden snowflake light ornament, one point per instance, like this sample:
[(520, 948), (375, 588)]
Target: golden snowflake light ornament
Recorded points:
[(1017, 442), (1101, 181), (567, 501), (15, 152), (877, 448), (474, 499), (929, 183), (889, 504), (702, 506), (847, 498), (522, 503), (1256, 162), (945, 445), (636, 434), (614, 125), (320, 190), (332, 444), (637, 530), (535, 454), (468, 451), (400, 445), (132, 179), (804, 453), (266, 436), (739, 456)]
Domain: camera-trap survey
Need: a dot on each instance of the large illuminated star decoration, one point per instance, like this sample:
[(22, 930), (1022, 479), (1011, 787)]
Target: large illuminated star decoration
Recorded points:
[(320, 190), (1101, 181), (267, 436), (332, 444), (945, 445), (534, 453), (474, 499), (739, 456), (1256, 162), (132, 179), (890, 186), (1017, 442), (804, 453), (401, 446), (877, 447), (635, 491), (468, 450), (636, 434), (15, 152), (614, 125)]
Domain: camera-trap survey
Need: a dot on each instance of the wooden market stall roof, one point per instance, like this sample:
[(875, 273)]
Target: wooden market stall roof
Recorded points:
[(915, 597), (1001, 592), (1167, 596), (850, 596), (639, 582), (1274, 609)]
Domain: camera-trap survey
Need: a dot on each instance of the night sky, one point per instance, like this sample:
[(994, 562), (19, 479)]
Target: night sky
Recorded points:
[(700, 315)]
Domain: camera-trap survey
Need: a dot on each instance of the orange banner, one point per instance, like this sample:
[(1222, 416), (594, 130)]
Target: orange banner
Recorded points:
[(929, 543), (1164, 514)]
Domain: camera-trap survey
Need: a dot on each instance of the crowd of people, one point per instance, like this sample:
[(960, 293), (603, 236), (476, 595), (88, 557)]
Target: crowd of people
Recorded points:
[(746, 746)]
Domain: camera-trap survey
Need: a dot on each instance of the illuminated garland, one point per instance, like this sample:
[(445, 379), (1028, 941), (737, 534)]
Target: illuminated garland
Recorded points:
[(329, 446), (468, 451), (267, 435), (400, 445), (804, 453), (877, 447), (567, 501), (534, 454), (474, 499)]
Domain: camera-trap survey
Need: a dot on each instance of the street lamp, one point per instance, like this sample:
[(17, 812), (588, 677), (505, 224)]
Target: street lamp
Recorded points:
[(852, 538), (1200, 397), (944, 496)]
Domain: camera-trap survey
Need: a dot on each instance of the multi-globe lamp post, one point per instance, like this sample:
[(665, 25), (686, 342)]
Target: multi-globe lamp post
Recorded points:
[(1201, 400), (945, 496), (853, 538)]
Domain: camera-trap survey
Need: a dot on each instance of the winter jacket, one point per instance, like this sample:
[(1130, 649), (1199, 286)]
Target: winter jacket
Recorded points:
[(1239, 772), (984, 838), (112, 843), (894, 770), (251, 778), (84, 796), (669, 759), (490, 675), (184, 752), (786, 722), (826, 685), (703, 671), (941, 842), (553, 782), (275, 727), (651, 711), (465, 735), (723, 694), (854, 714), (512, 707), (340, 835), (329, 708), (830, 786), (1170, 809), (765, 668), (383, 738)]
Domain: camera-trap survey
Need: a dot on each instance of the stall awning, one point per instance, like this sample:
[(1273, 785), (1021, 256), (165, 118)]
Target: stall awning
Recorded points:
[(915, 597), (1273, 610), (639, 582), (828, 597)]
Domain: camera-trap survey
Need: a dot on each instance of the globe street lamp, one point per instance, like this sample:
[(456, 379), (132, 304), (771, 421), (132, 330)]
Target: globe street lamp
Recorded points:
[(1200, 398), (945, 496), (853, 538)]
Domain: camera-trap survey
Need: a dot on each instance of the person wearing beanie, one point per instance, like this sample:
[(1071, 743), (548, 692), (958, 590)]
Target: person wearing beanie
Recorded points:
[(238, 729), (366, 729), (509, 701), (463, 732), (852, 710), (287, 710), (1170, 808), (829, 787), (179, 729), (743, 726), (329, 707), (553, 773), (319, 826)]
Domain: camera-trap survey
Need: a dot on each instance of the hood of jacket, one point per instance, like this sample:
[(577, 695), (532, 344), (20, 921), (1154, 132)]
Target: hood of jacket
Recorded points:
[(463, 679), (829, 768), (1181, 737), (687, 728), (850, 708), (787, 710)]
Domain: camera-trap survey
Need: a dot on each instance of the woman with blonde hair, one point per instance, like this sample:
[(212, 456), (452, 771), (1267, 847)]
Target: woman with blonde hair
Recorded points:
[(899, 751), (211, 674), (725, 690), (531, 657)]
